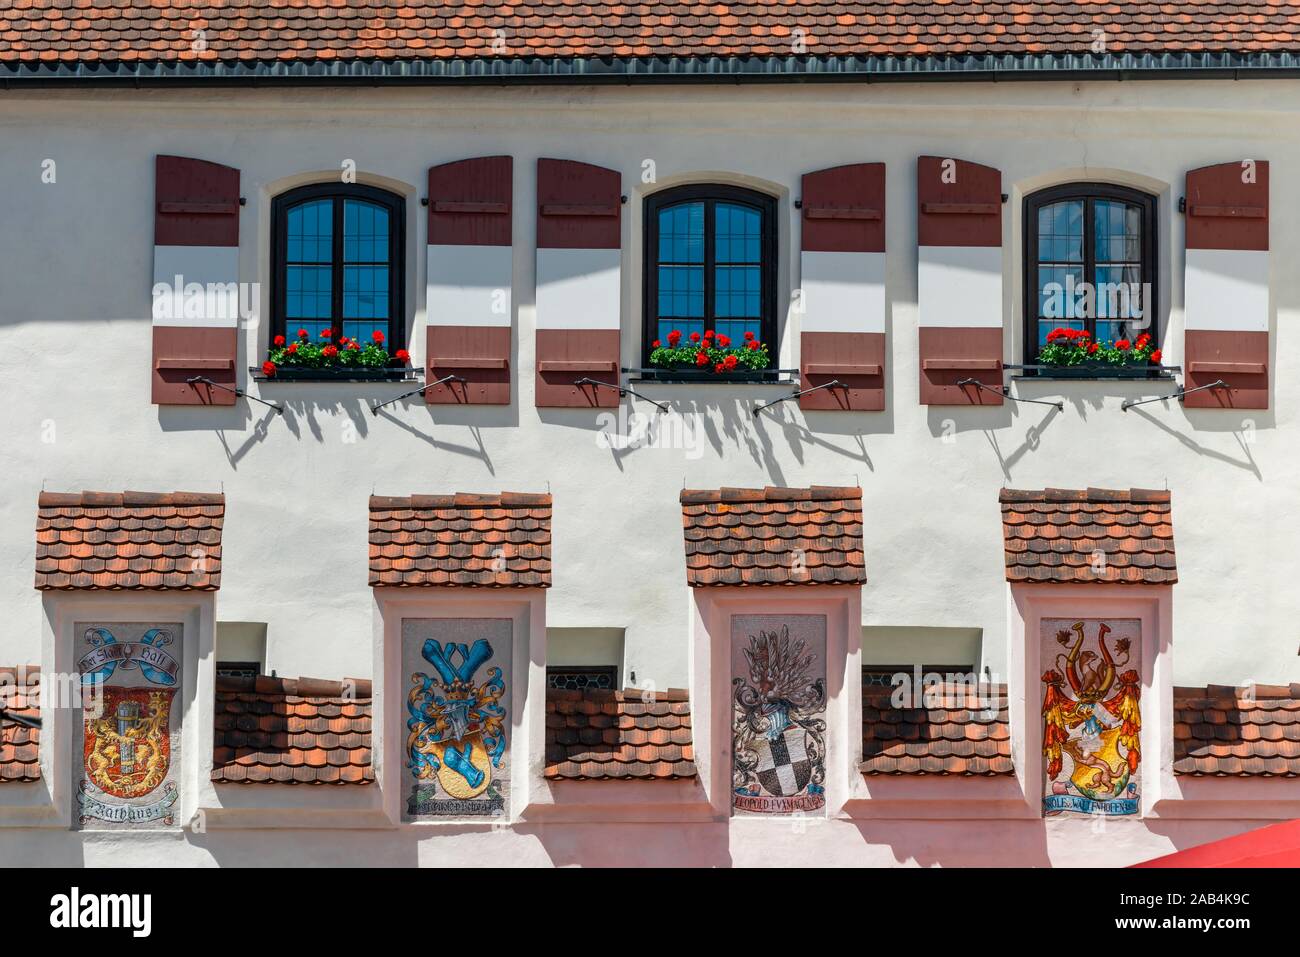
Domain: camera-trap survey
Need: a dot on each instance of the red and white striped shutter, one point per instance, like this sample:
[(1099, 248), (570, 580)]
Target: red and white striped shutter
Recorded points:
[(469, 279), (1227, 285), (196, 280), (579, 228), (842, 267), (959, 280)]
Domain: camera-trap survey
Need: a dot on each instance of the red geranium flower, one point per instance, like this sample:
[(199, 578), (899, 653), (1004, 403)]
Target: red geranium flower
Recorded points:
[(695, 337), (718, 367), (753, 344), (1155, 356), (656, 344), (402, 355), (278, 340), (730, 362), (1122, 345), (724, 342), (1092, 348), (674, 337), (293, 347), (268, 368), (353, 347), (701, 358), (303, 334), (326, 333), (708, 333), (377, 336), (749, 336), (330, 351)]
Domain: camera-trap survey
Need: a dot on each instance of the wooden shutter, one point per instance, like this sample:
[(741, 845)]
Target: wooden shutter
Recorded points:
[(579, 291), (959, 280), (469, 280), (196, 247), (1226, 290), (842, 299)]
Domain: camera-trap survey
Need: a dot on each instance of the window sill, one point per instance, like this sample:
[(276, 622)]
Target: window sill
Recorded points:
[(335, 375)]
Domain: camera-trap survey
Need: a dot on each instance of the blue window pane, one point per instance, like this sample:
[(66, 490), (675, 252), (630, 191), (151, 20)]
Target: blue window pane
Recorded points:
[(1108, 331), (307, 292), (1058, 291), (314, 328), (736, 291), (735, 329), (1118, 231), (1119, 292), (365, 292), (737, 234), (1060, 232), (681, 233), (681, 291), (364, 331), (685, 327), (365, 232), (310, 237)]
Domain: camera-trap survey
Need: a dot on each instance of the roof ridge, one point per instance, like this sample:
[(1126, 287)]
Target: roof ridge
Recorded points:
[(770, 493), (463, 500), (352, 689), (1134, 496), (128, 499)]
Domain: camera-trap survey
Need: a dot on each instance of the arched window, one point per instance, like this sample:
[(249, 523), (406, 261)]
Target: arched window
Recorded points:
[(1089, 263), (338, 258), (710, 263)]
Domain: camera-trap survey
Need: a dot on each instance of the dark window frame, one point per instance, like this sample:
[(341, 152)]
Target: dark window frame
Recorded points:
[(710, 194), (1086, 192), (338, 192)]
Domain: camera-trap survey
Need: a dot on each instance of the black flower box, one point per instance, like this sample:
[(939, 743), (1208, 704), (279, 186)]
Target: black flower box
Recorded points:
[(336, 374)]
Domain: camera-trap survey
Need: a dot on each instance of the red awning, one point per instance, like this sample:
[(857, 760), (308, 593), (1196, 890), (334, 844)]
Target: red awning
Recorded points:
[(1277, 845)]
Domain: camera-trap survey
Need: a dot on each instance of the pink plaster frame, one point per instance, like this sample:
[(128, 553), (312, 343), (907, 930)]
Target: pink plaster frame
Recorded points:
[(711, 612), (526, 607)]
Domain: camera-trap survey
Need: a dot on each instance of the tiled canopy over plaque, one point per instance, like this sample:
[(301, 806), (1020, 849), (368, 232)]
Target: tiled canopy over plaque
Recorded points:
[(129, 540), (773, 536), (292, 731), (1090, 536), (954, 729), (501, 541), (1237, 732)]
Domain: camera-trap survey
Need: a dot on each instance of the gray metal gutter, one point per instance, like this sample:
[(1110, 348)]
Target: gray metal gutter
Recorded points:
[(672, 70)]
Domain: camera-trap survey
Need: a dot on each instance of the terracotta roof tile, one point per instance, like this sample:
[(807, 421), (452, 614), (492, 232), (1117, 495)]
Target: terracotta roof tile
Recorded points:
[(1237, 732), (469, 540), (1059, 535), (956, 732), (20, 696), (773, 536), (625, 735), (293, 30), (129, 541), (292, 731)]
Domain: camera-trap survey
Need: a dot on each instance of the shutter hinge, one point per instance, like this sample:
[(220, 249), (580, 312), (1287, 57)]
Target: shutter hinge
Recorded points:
[(623, 200), (798, 204), (1005, 197), (424, 200), (243, 201), (1182, 204)]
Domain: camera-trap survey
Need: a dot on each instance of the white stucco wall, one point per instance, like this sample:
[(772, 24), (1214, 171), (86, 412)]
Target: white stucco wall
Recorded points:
[(75, 277)]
